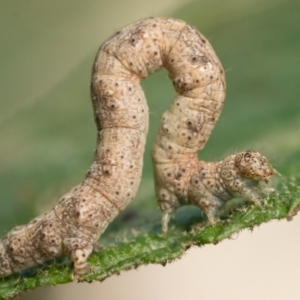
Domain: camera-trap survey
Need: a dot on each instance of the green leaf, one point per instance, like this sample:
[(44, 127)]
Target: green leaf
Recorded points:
[(130, 248)]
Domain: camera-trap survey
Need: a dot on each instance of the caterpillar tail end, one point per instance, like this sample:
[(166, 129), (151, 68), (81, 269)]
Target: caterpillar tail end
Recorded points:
[(79, 251), (78, 271)]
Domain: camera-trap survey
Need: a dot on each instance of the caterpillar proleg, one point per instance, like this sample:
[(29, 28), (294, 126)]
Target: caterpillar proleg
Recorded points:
[(76, 222)]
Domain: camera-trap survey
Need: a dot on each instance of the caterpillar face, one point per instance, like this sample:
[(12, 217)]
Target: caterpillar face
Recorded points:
[(252, 164)]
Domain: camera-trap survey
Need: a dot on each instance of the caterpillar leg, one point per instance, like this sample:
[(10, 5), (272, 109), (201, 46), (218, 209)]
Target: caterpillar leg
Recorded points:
[(211, 213), (168, 203), (79, 250), (252, 196), (166, 216), (209, 204)]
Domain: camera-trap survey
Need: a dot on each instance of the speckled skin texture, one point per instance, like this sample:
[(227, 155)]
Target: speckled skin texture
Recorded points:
[(180, 179), (212, 184), (76, 222)]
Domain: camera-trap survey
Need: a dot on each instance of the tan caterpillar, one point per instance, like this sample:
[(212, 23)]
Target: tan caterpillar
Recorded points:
[(76, 222)]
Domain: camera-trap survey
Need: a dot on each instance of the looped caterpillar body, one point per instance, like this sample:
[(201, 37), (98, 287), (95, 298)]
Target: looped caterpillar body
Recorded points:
[(76, 222)]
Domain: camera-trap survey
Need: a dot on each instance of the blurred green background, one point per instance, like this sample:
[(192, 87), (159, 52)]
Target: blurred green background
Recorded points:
[(47, 132)]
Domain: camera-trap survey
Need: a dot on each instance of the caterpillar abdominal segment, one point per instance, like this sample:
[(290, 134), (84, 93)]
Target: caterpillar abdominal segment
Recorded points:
[(76, 222)]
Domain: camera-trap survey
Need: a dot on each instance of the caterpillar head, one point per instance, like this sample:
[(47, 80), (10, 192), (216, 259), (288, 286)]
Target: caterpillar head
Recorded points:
[(253, 165)]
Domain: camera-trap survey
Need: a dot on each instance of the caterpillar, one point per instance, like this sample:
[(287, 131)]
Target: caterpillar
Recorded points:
[(73, 226)]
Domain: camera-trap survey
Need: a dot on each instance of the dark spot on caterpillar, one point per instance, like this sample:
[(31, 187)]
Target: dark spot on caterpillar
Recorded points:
[(178, 176)]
